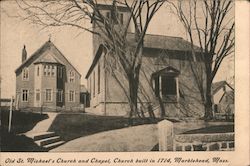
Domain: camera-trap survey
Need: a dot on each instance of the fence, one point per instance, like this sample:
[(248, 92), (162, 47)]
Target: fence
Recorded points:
[(168, 141), (5, 103), (41, 109)]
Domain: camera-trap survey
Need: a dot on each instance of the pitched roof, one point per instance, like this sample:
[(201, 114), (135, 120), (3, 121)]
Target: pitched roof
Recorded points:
[(166, 42), (156, 42), (167, 70), (47, 60), (95, 60), (216, 86), (47, 45), (110, 7), (228, 94)]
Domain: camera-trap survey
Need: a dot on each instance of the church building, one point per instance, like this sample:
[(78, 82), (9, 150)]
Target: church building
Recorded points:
[(166, 60)]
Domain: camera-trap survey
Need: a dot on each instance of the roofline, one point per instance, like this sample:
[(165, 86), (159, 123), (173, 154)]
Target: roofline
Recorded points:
[(146, 47), (95, 60), (110, 6), (224, 83), (67, 59), (159, 72), (97, 56), (37, 51), (49, 63), (232, 97)]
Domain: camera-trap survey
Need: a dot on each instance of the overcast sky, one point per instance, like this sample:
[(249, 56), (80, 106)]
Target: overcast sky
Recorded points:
[(76, 45)]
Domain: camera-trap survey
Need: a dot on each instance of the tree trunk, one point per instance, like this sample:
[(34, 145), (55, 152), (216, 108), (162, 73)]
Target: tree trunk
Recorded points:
[(208, 103), (163, 113), (208, 109), (133, 94)]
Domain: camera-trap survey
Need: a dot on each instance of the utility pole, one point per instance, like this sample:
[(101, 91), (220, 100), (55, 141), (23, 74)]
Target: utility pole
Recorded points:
[(10, 115)]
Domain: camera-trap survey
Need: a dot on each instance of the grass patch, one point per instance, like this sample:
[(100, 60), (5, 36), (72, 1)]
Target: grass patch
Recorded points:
[(18, 143), (212, 129), (21, 121), (72, 126)]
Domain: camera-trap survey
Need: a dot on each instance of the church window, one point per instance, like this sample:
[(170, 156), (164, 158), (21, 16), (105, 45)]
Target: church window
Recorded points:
[(25, 95), (25, 74), (71, 76)]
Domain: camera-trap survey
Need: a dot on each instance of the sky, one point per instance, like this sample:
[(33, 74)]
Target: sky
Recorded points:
[(75, 44)]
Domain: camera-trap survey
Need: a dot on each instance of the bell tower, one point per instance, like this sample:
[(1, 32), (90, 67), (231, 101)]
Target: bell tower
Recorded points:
[(120, 20)]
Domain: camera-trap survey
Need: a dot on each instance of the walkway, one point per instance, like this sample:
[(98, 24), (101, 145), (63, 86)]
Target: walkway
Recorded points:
[(138, 138), (43, 125)]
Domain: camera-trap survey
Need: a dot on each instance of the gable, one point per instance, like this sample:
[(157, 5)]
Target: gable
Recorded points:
[(48, 52), (61, 58), (167, 71), (48, 57)]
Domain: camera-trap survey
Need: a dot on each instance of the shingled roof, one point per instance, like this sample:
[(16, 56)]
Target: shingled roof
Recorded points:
[(166, 42)]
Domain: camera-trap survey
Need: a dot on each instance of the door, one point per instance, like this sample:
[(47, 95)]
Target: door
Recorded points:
[(38, 98)]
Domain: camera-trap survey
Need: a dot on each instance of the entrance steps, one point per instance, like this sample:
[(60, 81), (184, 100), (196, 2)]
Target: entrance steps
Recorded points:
[(47, 140)]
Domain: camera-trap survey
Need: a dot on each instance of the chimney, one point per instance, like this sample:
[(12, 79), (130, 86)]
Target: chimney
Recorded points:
[(24, 54)]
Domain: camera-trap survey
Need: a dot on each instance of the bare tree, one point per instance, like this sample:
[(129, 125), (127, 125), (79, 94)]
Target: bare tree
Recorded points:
[(125, 50), (209, 25)]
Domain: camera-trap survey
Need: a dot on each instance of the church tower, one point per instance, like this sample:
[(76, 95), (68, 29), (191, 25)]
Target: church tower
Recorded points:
[(107, 11)]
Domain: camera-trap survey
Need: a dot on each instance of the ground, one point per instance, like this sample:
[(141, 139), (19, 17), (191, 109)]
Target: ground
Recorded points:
[(85, 132), (72, 126), (130, 139), (21, 122)]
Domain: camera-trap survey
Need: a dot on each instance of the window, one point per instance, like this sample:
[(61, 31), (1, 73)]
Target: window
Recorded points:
[(60, 95), (98, 78), (24, 95), (52, 70), (90, 90), (49, 70), (48, 94), (166, 87), (157, 87), (71, 76), (44, 70), (37, 71), (60, 71), (121, 18), (71, 95), (25, 74), (37, 94), (115, 18)]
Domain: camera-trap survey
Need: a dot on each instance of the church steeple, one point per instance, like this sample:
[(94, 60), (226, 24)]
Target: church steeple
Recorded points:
[(24, 54)]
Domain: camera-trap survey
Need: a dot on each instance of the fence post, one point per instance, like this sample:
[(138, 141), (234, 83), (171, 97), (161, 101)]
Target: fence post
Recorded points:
[(10, 115), (165, 135)]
